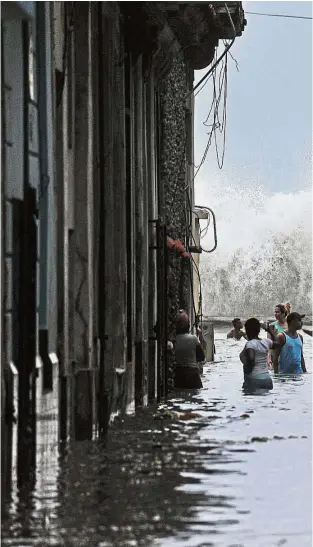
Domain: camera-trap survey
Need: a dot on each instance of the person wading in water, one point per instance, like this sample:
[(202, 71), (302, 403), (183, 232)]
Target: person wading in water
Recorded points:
[(188, 353), (279, 325), (254, 358), (288, 357), (236, 332)]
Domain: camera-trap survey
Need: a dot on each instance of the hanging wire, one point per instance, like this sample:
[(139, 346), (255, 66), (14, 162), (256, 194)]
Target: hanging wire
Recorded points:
[(232, 57), (214, 65), (205, 83), (222, 126), (278, 15)]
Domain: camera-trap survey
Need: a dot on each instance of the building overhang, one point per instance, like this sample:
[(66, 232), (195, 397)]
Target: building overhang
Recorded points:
[(196, 27), (18, 10)]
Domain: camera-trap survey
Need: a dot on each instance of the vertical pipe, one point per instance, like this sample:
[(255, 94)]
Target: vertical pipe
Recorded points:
[(27, 382), (103, 399), (165, 297), (159, 312), (139, 230), (90, 197)]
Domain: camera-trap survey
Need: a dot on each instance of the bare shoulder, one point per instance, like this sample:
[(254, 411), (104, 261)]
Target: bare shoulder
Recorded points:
[(280, 338)]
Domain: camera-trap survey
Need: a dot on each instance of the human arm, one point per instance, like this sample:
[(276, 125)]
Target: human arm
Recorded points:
[(302, 356), (230, 334), (201, 338), (250, 361), (307, 331), (200, 355), (277, 345), (270, 329)]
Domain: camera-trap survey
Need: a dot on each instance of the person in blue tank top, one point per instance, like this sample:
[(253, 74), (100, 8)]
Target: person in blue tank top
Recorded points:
[(288, 357)]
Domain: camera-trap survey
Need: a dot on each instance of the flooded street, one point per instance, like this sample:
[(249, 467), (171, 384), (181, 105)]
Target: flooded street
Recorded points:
[(240, 475)]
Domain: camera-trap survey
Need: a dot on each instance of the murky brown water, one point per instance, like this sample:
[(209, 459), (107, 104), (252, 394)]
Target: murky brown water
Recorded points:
[(240, 475)]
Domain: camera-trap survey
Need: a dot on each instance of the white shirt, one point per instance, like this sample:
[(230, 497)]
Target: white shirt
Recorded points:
[(260, 347)]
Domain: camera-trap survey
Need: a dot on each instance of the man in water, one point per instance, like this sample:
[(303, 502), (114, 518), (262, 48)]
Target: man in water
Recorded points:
[(288, 357), (236, 332)]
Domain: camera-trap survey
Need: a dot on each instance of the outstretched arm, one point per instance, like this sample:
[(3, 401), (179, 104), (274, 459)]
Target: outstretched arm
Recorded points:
[(200, 355), (302, 356), (307, 331)]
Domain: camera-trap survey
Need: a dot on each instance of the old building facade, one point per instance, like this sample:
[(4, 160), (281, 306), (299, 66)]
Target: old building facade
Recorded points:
[(97, 206)]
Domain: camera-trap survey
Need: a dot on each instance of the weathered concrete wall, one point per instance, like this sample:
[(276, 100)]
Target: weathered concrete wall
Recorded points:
[(174, 180)]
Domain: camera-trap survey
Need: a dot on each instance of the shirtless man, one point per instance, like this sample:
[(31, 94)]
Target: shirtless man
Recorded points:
[(236, 332)]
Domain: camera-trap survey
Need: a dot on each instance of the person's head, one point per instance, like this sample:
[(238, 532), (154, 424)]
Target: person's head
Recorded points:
[(253, 328), (294, 320), (280, 312), (182, 322), (237, 324), (287, 307)]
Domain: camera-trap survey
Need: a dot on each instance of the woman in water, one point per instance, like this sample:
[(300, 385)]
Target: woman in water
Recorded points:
[(254, 358), (279, 325)]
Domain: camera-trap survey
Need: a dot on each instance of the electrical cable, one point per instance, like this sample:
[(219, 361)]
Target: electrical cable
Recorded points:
[(213, 66), (278, 15), (214, 226), (205, 83), (189, 233), (222, 126), (221, 56), (232, 57)]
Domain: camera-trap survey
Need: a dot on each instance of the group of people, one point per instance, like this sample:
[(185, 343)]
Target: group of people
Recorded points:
[(281, 351)]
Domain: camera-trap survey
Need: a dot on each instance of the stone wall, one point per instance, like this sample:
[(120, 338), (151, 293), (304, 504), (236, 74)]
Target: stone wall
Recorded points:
[(173, 171)]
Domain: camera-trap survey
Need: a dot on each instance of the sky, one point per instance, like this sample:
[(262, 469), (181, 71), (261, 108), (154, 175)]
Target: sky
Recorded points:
[(267, 172)]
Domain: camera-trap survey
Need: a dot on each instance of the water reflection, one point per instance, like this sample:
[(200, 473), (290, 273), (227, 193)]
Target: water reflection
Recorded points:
[(222, 476)]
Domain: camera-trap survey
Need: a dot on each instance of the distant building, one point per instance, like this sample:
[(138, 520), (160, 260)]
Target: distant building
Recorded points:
[(97, 202)]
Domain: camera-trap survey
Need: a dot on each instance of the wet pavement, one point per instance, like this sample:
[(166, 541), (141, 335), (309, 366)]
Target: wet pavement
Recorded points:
[(238, 475)]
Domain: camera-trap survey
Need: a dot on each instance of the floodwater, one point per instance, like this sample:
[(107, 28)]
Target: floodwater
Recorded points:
[(240, 475)]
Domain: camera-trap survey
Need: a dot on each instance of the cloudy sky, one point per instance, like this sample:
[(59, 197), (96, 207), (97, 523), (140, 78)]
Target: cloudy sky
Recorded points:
[(266, 179)]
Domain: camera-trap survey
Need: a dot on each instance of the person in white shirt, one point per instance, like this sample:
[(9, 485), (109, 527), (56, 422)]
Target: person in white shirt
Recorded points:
[(254, 358)]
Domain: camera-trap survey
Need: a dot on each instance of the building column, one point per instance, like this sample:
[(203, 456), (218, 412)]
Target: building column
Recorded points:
[(84, 229), (151, 228)]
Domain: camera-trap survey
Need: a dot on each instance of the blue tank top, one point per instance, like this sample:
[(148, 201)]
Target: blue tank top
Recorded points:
[(289, 361)]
